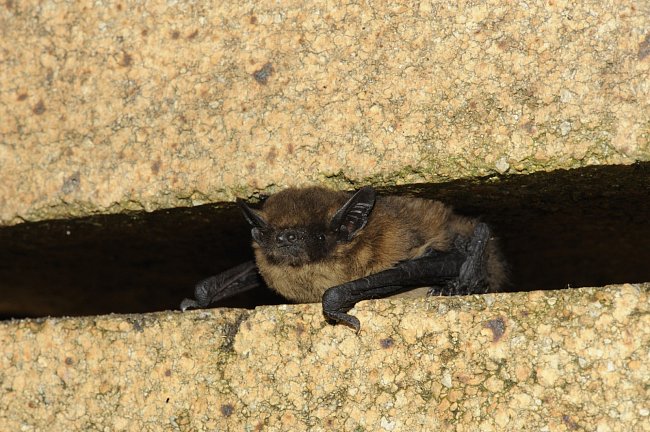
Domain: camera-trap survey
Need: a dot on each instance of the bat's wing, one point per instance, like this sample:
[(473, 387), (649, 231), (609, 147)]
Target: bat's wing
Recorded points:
[(227, 284), (462, 266)]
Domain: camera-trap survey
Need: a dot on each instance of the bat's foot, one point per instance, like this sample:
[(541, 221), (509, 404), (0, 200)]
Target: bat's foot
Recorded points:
[(473, 276), (450, 288)]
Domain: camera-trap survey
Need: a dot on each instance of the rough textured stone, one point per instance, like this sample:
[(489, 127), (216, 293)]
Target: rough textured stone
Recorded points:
[(566, 360), (141, 105)]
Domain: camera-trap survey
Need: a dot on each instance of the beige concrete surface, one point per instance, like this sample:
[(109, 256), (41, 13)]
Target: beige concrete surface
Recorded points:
[(107, 106), (567, 360)]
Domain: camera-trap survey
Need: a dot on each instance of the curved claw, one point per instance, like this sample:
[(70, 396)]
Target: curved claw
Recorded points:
[(189, 303), (347, 319)]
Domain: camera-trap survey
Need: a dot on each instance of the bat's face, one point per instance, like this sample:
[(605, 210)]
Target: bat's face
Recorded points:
[(301, 226), (296, 245)]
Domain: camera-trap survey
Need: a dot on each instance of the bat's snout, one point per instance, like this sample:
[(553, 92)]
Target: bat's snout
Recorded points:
[(286, 237)]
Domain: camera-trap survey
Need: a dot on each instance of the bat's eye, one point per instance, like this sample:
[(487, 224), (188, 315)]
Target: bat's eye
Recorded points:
[(320, 237)]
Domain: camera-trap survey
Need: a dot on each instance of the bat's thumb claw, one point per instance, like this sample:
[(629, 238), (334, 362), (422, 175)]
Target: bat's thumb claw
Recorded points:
[(343, 318), (351, 321), (188, 303), (335, 303)]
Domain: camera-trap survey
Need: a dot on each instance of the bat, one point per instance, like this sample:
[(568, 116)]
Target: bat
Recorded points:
[(319, 245)]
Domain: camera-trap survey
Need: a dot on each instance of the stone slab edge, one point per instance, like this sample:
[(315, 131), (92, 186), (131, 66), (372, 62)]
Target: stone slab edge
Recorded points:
[(575, 359), (113, 106)]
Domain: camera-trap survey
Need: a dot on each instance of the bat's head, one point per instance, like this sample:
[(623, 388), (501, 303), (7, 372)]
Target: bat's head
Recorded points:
[(301, 226)]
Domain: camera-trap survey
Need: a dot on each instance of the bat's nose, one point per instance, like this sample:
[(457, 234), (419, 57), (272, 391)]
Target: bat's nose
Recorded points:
[(286, 237)]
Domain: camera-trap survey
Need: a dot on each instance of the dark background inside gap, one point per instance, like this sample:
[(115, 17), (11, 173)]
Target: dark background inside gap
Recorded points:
[(581, 227)]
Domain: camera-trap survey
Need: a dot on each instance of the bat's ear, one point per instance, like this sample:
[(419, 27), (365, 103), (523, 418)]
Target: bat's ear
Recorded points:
[(354, 214), (252, 217)]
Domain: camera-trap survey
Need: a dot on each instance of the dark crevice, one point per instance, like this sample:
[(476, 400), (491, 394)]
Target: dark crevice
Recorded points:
[(582, 227)]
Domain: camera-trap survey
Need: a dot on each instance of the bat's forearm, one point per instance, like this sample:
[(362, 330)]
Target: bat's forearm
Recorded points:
[(434, 268), (464, 266)]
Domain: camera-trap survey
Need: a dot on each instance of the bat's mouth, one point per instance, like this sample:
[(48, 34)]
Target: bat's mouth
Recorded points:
[(290, 254), (292, 251)]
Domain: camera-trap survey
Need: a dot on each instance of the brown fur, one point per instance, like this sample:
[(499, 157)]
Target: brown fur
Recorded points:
[(399, 228)]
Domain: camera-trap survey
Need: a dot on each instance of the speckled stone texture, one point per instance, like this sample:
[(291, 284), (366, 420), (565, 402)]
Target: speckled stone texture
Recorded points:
[(114, 105), (568, 360)]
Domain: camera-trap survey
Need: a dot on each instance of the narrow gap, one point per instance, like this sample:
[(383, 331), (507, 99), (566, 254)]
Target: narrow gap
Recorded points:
[(568, 228)]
